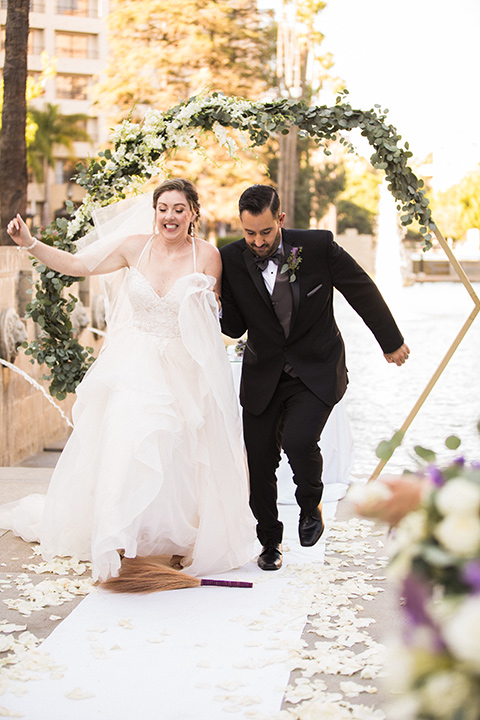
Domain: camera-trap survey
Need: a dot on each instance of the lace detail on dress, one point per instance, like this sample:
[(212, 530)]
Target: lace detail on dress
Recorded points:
[(153, 314)]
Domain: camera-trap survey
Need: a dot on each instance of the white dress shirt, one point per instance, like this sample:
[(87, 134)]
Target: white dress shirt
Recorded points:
[(270, 273)]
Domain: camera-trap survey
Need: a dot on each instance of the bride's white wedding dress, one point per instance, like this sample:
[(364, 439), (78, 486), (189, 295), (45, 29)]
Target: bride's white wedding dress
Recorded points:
[(156, 463)]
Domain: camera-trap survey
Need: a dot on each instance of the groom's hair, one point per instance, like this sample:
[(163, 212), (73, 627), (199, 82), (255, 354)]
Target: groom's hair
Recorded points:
[(258, 198)]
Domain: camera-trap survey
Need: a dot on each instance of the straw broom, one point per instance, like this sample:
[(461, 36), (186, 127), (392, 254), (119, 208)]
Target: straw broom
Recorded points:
[(155, 573)]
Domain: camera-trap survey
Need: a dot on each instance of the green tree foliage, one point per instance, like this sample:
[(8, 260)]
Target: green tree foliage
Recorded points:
[(52, 130), (318, 183), (163, 51), (329, 182), (352, 215), (357, 205), (458, 208)]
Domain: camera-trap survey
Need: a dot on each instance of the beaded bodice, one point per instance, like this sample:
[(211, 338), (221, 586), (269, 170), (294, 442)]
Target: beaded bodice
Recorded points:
[(153, 314)]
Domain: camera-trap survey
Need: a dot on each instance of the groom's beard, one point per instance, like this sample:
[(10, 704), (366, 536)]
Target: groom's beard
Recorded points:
[(268, 250)]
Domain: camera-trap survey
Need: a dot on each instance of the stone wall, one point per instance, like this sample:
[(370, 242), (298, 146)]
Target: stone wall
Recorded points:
[(28, 421), (362, 247)]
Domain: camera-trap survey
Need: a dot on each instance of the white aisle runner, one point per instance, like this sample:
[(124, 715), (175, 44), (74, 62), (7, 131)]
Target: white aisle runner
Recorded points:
[(193, 654)]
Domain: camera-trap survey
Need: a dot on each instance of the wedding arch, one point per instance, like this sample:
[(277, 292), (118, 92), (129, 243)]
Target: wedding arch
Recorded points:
[(139, 152)]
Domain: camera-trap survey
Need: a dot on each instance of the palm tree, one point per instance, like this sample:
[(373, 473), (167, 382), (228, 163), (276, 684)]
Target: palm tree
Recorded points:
[(53, 129)]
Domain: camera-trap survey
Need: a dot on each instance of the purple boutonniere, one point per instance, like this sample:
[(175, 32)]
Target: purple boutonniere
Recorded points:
[(292, 263)]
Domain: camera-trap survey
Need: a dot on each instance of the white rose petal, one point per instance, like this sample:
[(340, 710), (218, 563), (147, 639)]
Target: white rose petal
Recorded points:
[(231, 685), (11, 627), (78, 694), (5, 644), (125, 623), (4, 712)]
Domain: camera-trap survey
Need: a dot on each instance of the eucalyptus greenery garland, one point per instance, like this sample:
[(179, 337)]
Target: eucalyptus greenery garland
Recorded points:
[(139, 152)]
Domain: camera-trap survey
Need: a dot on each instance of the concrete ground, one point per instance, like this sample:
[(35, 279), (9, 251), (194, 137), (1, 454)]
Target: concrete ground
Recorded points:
[(33, 475)]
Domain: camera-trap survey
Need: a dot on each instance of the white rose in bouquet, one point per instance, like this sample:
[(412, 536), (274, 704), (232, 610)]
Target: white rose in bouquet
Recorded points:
[(411, 530), (444, 693), (460, 534), (461, 632), (458, 496)]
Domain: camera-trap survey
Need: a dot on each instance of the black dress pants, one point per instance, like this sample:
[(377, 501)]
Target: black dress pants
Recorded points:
[(294, 420)]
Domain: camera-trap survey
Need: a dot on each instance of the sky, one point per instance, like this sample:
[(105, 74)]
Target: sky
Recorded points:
[(421, 60)]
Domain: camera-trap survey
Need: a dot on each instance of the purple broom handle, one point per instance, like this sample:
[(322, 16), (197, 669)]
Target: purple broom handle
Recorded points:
[(227, 583)]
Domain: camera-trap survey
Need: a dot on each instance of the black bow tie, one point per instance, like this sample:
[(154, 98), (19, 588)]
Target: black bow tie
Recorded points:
[(262, 263)]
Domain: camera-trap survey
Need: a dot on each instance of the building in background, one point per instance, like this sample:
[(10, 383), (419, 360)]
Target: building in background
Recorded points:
[(74, 33)]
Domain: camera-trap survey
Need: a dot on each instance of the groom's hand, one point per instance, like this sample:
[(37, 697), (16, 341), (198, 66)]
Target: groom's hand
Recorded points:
[(399, 356)]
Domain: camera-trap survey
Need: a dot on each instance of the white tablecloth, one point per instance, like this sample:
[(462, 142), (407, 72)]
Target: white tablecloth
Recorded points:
[(336, 445)]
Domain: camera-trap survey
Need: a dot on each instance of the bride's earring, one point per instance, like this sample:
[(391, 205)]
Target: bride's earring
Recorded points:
[(191, 230)]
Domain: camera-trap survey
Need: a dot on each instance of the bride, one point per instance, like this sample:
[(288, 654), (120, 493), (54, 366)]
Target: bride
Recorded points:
[(155, 464)]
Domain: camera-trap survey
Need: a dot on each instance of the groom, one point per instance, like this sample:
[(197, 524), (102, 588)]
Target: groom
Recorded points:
[(278, 285)]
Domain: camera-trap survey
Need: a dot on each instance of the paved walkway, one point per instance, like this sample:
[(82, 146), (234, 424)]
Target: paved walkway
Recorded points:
[(33, 476)]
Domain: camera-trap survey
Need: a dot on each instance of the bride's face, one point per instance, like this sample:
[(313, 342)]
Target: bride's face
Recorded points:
[(173, 215)]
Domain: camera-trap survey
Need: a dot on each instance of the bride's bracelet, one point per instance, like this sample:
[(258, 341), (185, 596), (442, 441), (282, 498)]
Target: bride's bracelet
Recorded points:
[(28, 247)]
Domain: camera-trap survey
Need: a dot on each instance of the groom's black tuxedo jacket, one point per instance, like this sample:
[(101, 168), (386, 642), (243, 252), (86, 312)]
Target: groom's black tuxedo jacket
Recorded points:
[(314, 347)]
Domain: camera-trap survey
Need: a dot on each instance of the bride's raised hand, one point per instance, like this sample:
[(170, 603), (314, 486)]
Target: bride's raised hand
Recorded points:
[(57, 259), (19, 232)]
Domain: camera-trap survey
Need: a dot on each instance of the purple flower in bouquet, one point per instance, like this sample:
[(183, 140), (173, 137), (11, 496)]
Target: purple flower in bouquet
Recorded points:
[(417, 597), (471, 574), (435, 475)]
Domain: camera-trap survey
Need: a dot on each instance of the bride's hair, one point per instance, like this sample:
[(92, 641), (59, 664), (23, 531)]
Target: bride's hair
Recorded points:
[(184, 186)]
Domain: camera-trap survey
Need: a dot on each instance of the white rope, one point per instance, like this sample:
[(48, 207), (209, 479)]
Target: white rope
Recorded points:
[(37, 385)]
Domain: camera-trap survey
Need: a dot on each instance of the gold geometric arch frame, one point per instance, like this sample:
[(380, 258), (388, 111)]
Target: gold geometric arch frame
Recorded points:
[(398, 437)]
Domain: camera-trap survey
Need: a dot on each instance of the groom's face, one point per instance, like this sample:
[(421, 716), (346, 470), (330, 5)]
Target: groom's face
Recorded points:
[(262, 232)]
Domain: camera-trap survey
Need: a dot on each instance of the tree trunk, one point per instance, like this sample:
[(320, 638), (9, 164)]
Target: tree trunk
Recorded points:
[(287, 174), (13, 149), (46, 215)]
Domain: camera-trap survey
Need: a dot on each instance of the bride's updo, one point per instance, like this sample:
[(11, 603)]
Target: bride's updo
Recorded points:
[(184, 186)]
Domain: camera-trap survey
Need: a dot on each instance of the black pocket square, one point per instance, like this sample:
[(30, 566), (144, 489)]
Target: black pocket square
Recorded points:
[(312, 292)]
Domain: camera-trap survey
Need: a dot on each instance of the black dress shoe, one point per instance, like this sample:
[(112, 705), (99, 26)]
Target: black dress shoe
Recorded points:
[(310, 527), (271, 556)]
